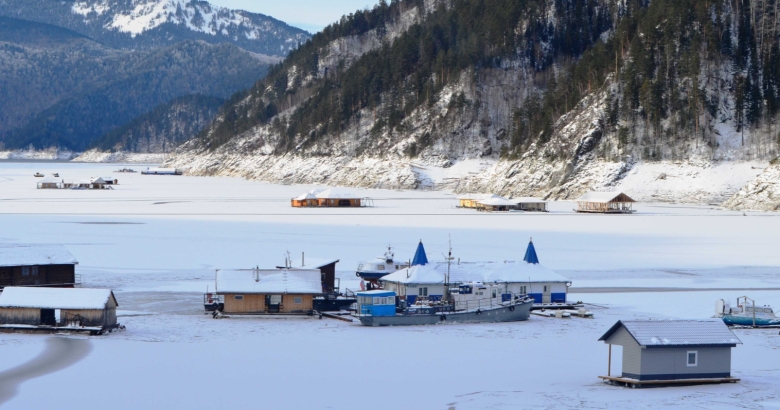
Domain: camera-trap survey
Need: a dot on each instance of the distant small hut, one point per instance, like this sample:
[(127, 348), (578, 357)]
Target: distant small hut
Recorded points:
[(667, 352), (162, 171), (605, 203), (496, 205), (334, 198), (530, 204), (472, 200), (23, 308), (268, 291), (36, 265), (305, 200)]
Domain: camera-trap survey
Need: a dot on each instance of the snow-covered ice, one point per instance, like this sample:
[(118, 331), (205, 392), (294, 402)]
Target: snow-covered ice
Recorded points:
[(157, 240)]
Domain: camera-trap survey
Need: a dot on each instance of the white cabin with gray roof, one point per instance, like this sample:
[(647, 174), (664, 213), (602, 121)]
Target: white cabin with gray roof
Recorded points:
[(672, 351)]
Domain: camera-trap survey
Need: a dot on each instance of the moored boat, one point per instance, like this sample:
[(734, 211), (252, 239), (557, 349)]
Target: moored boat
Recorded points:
[(384, 265), (378, 308), (746, 313)]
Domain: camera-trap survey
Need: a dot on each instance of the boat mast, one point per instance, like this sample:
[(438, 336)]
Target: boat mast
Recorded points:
[(449, 259)]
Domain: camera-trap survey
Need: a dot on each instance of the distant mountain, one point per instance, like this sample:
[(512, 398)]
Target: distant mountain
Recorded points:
[(163, 128), (107, 92), (148, 24)]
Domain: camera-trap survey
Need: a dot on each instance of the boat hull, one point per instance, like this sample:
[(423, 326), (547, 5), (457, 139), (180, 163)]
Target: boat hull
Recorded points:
[(732, 320), (514, 313)]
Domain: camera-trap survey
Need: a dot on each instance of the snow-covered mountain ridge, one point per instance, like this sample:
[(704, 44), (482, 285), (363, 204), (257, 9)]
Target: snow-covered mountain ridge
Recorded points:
[(157, 23)]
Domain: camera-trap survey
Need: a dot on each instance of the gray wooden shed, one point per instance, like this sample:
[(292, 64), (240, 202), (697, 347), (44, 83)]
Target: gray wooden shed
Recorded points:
[(672, 351)]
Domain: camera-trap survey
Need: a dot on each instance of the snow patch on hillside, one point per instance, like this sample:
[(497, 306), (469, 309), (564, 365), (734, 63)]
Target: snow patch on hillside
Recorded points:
[(120, 157), (47, 154), (761, 194)]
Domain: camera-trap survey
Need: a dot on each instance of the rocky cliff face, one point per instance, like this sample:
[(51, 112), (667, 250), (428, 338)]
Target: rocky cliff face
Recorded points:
[(550, 118)]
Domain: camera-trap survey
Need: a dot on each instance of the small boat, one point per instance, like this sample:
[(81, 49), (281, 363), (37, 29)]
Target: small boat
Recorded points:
[(381, 266), (746, 313), (463, 305), (38, 175), (56, 175)]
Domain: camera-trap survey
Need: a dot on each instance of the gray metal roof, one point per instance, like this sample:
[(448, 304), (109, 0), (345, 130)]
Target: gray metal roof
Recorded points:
[(30, 255), (661, 333)]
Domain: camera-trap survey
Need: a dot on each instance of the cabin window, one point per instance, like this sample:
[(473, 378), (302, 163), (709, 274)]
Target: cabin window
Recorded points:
[(380, 267), (693, 359), (34, 270), (238, 297), (522, 290), (494, 293), (298, 300), (25, 271), (377, 301), (422, 291), (545, 289)]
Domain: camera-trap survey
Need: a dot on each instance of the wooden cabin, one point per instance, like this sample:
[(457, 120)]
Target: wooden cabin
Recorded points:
[(36, 265), (268, 291), (472, 200), (21, 307), (496, 205), (334, 198), (605, 203), (658, 352), (50, 183), (530, 204)]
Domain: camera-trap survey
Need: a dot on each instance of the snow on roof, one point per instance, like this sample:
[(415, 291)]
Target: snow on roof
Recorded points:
[(604, 197), (302, 281), (49, 180), (677, 332), (528, 200), (55, 298), (332, 193), (513, 272), (374, 292), (497, 202), (479, 197), (98, 180), (29, 255), (314, 263), (307, 195)]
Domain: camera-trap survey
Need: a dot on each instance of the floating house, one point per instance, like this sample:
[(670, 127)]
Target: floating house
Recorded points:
[(376, 302), (427, 279), (51, 183), (605, 203), (472, 200), (268, 291), (161, 171), (496, 205), (37, 265), (329, 198), (671, 352), (530, 204), (92, 310), (93, 183)]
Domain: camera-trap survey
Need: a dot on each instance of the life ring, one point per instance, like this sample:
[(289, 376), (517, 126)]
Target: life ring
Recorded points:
[(512, 308), (443, 318)]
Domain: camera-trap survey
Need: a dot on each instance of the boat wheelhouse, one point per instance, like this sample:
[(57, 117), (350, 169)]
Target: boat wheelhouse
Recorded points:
[(381, 266)]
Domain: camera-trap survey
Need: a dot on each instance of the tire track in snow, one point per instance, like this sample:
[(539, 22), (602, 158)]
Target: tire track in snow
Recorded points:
[(59, 353)]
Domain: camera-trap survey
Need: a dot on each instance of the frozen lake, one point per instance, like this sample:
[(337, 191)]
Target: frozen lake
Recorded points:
[(156, 240)]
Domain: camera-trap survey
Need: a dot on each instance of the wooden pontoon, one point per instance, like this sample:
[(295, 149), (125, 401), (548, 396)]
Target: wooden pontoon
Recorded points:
[(605, 203)]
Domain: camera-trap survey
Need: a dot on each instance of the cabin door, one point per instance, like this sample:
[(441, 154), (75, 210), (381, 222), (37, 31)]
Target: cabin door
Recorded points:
[(274, 303), (546, 294), (48, 318)]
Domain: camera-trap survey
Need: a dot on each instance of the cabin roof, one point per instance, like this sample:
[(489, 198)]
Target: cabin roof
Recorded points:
[(35, 254), (604, 197), (332, 193), (300, 281), (497, 202), (479, 197), (307, 195), (49, 180), (55, 298), (528, 200), (667, 333), (378, 292), (486, 272), (313, 263)]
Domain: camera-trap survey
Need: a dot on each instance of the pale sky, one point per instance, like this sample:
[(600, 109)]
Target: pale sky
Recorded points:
[(310, 15)]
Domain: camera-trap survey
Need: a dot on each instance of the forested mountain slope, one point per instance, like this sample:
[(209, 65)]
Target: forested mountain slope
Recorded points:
[(561, 95)]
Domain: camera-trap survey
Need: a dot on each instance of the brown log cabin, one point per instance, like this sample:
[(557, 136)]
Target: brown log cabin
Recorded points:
[(268, 291), (37, 265)]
